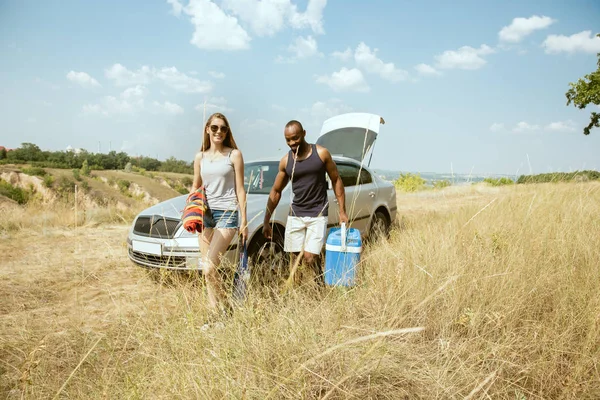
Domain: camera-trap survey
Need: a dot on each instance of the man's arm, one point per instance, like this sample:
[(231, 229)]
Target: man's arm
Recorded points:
[(336, 181), (281, 180)]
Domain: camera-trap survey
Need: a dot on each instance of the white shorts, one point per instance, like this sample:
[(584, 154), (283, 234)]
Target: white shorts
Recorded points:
[(305, 233)]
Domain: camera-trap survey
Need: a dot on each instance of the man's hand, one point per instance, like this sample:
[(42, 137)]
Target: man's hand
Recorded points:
[(343, 218), (267, 231)]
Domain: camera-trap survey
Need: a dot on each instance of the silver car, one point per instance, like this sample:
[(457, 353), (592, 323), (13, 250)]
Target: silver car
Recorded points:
[(157, 238)]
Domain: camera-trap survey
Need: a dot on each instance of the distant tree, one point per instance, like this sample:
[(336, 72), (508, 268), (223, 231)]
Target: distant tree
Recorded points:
[(27, 152), (85, 168), (587, 91), (2, 153)]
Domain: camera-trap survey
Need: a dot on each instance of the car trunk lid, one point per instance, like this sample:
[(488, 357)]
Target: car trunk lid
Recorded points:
[(350, 135)]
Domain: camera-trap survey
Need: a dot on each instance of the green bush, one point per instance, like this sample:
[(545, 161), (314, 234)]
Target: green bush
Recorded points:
[(409, 182), (64, 186), (15, 193), (123, 185), (48, 181), (34, 171), (586, 175), (186, 181), (441, 184), (85, 168), (77, 174), (499, 181)]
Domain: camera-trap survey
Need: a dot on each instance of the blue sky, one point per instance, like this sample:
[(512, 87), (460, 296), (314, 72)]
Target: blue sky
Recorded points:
[(470, 86)]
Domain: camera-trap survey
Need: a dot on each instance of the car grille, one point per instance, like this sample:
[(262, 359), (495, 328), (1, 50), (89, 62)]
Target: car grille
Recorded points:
[(156, 226), (158, 261)]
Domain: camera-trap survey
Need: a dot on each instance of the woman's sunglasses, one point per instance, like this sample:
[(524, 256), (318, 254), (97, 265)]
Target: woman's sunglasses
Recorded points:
[(215, 128)]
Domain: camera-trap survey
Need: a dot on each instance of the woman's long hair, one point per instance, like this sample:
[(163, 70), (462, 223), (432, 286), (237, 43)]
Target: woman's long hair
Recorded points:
[(229, 140)]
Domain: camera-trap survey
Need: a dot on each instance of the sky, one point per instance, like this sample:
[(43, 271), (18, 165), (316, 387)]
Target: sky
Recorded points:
[(465, 87)]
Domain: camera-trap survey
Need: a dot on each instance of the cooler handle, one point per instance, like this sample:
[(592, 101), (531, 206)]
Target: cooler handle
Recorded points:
[(343, 232)]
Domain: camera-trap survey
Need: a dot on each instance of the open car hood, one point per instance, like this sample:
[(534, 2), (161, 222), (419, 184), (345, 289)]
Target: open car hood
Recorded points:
[(350, 135)]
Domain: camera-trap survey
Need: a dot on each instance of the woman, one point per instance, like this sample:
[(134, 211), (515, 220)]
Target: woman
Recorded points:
[(219, 166)]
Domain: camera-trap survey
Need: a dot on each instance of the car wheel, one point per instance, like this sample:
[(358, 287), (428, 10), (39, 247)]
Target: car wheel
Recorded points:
[(269, 261), (380, 227)]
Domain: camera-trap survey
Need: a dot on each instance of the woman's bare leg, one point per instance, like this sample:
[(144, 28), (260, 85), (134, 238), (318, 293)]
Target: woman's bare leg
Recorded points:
[(220, 240)]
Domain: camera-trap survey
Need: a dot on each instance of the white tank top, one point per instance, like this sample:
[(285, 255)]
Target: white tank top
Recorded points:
[(218, 178)]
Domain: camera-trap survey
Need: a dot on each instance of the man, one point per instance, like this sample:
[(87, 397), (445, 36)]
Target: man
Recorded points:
[(306, 165)]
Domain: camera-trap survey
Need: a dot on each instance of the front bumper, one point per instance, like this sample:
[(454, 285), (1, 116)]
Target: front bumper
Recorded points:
[(177, 254)]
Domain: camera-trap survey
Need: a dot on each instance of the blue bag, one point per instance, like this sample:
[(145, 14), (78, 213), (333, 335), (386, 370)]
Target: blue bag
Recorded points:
[(242, 276)]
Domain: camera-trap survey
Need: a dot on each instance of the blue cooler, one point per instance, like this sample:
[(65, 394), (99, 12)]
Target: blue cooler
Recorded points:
[(342, 254)]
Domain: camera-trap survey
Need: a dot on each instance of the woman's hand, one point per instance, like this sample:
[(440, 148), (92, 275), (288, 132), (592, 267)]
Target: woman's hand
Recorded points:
[(244, 232)]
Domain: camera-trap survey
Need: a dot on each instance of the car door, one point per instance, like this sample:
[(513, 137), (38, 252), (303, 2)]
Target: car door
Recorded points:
[(361, 192)]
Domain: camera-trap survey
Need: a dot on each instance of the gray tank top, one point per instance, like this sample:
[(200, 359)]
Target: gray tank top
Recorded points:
[(218, 178), (309, 185)]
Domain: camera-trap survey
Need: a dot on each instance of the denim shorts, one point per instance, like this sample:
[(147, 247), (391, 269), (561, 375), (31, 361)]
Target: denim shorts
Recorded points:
[(221, 219)]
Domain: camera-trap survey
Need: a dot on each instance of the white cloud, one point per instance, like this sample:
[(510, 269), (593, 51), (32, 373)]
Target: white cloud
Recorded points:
[(177, 7), (322, 110), (216, 75), (134, 92), (426, 70), (181, 82), (224, 28), (214, 29), (465, 57), (312, 17), (578, 42), (130, 101), (124, 77), (522, 27), (561, 126), (82, 79), (265, 18), (367, 60), (93, 109), (278, 107), (169, 108), (301, 48), (524, 127), (170, 76), (496, 127), (345, 80), (345, 55), (304, 47), (214, 104)]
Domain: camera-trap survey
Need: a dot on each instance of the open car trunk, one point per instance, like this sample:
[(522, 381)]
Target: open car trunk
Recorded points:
[(351, 135)]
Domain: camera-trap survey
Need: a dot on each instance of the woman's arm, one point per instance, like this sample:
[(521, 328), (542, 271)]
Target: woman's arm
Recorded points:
[(197, 182), (238, 165)]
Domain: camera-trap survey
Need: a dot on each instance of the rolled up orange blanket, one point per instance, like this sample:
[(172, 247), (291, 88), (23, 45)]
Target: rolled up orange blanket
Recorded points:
[(193, 213)]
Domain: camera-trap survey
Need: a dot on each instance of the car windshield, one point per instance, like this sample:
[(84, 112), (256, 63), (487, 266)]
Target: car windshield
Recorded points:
[(259, 177)]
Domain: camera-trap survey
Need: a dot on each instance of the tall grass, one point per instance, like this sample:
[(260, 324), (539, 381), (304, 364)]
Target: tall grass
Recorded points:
[(38, 216), (491, 299)]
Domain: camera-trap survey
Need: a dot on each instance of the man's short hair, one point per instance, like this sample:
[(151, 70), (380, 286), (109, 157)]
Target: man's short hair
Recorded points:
[(296, 123)]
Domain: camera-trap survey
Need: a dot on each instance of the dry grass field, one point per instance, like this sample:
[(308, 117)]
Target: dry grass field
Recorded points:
[(479, 293)]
